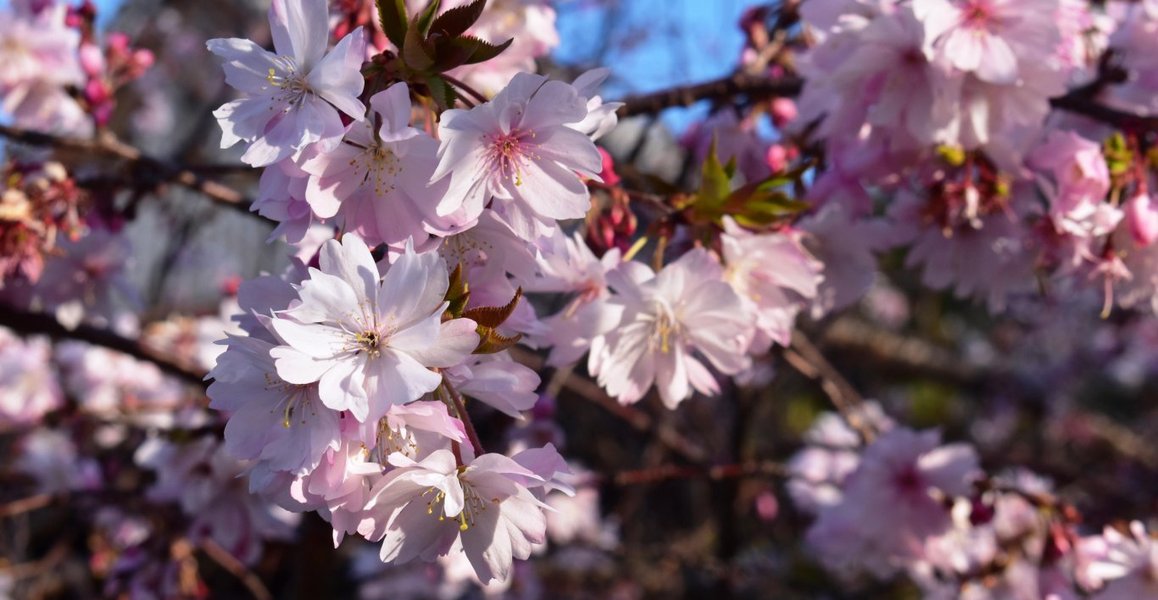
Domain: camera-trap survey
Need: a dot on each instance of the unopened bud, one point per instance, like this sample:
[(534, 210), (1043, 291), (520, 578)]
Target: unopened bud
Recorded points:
[(1142, 219)]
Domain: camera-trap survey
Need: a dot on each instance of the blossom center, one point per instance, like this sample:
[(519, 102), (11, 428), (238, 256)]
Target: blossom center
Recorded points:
[(370, 342), (667, 327), (293, 86), (382, 167), (473, 504), (507, 153), (296, 400), (466, 249)]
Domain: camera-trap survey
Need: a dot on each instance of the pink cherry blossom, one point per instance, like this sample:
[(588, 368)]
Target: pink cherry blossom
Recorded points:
[(1142, 219), (775, 277), (375, 181), (271, 420), (1125, 564), (292, 98), (521, 150), (668, 318), (568, 265), (485, 507), (893, 501), (369, 340), (28, 383)]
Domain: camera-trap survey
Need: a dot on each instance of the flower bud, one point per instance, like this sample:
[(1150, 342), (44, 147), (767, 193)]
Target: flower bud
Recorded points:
[(783, 111), (1142, 218)]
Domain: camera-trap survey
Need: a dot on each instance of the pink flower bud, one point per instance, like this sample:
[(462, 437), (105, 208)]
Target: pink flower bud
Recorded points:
[(117, 42), (767, 506), (1142, 218), (95, 91), (92, 60), (783, 111), (610, 177), (142, 60), (777, 158)]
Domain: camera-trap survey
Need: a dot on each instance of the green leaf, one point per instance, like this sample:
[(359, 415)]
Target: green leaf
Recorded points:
[(486, 50), (414, 51), (452, 52), (426, 17), (457, 294), (392, 17), (442, 92), (456, 21), (715, 181)]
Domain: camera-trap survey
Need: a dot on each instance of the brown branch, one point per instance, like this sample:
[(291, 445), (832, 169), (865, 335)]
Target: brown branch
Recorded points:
[(34, 323), (1079, 102), (640, 421), (150, 168), (806, 358), (460, 410), (902, 354), (227, 561), (35, 568), (23, 505), (739, 84), (713, 472)]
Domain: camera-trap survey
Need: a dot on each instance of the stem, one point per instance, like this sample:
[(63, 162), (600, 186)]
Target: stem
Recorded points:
[(473, 93), (34, 323), (807, 359), (460, 408), (144, 170)]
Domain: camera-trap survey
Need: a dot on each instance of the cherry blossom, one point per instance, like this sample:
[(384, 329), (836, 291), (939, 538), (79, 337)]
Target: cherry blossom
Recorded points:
[(668, 318), (293, 97), (520, 150), (368, 340)]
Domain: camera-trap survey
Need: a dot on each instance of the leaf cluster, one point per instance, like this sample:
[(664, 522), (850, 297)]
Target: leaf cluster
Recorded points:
[(756, 205), (430, 44), (488, 319)]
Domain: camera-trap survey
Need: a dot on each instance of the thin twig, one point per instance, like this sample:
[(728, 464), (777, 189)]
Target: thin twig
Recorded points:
[(460, 408), (711, 472), (149, 168), (34, 323), (23, 505), (227, 561), (804, 356), (473, 93)]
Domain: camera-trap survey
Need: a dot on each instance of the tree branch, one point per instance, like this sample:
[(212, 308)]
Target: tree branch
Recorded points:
[(33, 323), (713, 472), (1079, 101), (153, 170), (753, 86), (806, 358)]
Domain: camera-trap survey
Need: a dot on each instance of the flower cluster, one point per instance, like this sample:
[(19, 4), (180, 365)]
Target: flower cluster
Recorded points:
[(461, 252)]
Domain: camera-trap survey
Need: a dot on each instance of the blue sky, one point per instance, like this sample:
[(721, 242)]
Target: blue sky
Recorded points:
[(657, 44)]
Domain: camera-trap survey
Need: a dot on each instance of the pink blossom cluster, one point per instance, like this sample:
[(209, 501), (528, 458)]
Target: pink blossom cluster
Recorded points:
[(906, 503), (48, 49), (344, 388), (452, 230), (947, 109)]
